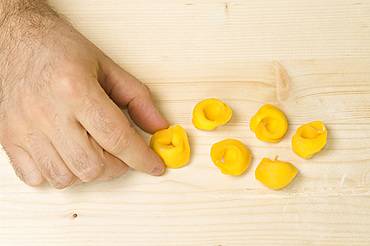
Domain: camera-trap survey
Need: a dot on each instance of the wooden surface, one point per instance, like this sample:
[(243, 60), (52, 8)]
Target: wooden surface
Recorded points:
[(189, 50)]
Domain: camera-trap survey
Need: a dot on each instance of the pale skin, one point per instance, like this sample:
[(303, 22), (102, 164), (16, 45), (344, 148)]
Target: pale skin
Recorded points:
[(60, 116)]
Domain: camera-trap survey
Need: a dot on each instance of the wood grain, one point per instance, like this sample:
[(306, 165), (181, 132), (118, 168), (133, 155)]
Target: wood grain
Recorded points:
[(310, 58)]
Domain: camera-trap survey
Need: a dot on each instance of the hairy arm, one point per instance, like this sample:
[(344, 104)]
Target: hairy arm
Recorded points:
[(24, 26), (25, 20), (60, 103)]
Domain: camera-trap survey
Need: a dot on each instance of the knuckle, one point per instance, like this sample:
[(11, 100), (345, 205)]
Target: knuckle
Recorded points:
[(97, 117), (118, 143), (62, 181), (30, 141), (56, 177), (145, 89), (83, 163), (90, 174), (33, 179), (68, 88)]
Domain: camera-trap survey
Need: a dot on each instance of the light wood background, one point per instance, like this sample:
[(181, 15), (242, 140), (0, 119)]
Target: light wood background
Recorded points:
[(189, 50)]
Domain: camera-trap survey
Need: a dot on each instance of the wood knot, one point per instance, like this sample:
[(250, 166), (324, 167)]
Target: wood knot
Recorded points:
[(282, 82)]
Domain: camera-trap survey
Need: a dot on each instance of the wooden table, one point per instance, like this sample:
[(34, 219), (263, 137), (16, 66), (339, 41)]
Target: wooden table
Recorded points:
[(189, 50)]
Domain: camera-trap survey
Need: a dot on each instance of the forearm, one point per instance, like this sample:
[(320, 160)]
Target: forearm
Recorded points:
[(24, 26), (23, 17), (24, 8)]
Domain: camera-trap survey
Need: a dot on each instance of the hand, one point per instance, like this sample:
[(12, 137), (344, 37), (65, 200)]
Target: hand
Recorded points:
[(60, 121)]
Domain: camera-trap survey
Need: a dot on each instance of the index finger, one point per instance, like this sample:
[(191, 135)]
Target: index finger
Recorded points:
[(109, 127)]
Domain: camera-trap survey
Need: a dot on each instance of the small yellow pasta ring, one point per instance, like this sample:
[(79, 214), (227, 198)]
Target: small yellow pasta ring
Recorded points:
[(309, 139), (275, 174), (269, 124), (172, 146), (210, 113), (231, 156)]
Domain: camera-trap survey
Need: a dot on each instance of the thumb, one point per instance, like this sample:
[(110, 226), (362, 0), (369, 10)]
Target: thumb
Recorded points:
[(128, 92)]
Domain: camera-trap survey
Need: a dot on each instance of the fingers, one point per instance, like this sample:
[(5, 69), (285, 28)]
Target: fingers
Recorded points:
[(127, 91), (99, 143), (38, 161), (106, 123), (24, 166), (83, 156), (115, 167), (48, 161)]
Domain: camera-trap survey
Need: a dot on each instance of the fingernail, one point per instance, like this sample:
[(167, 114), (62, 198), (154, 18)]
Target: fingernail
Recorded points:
[(157, 171)]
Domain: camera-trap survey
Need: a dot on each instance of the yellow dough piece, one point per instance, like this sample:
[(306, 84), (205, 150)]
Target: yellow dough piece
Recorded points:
[(309, 139), (210, 113), (231, 156), (172, 146), (269, 124), (275, 174)]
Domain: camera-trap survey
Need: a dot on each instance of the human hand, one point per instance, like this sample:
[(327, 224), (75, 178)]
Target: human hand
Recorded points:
[(60, 121)]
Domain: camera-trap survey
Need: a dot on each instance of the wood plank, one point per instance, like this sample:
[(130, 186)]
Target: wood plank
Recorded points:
[(327, 203), (217, 30), (218, 217), (186, 51)]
